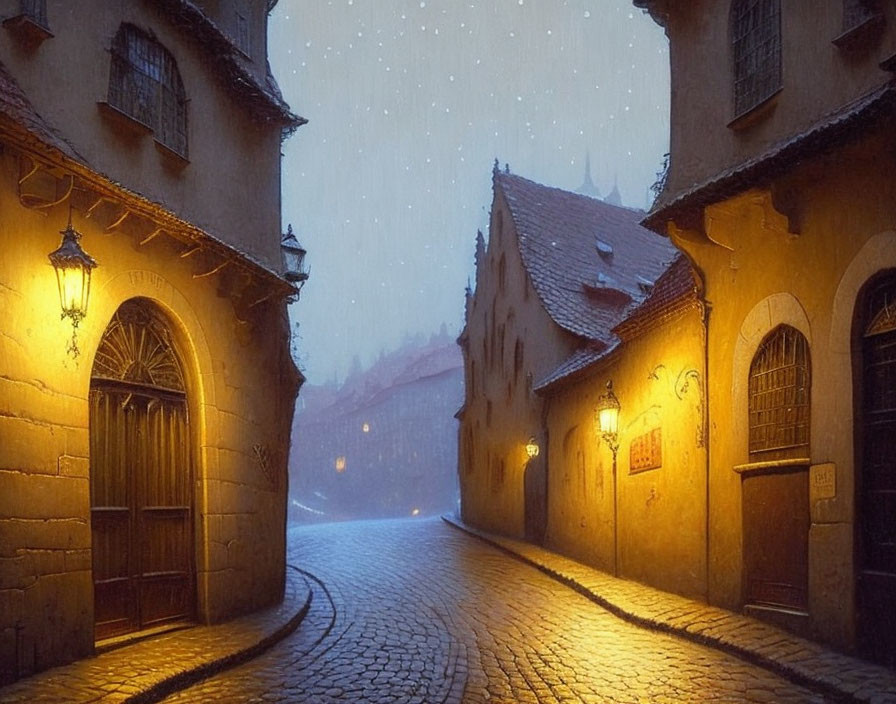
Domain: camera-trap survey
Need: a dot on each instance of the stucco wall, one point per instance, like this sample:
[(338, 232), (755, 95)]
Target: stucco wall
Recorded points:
[(516, 413), (760, 277), (231, 185), (46, 591), (702, 143), (659, 380)]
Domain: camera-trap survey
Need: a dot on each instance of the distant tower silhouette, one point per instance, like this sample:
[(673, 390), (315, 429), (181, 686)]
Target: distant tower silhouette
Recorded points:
[(588, 188), (613, 197)]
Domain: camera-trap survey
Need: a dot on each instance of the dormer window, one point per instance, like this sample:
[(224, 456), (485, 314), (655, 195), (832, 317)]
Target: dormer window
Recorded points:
[(145, 85), (35, 10), (858, 12), (756, 46), (604, 249), (862, 20), (645, 285)]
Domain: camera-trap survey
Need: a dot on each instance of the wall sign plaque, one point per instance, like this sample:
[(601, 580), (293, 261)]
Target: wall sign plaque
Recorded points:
[(646, 451)]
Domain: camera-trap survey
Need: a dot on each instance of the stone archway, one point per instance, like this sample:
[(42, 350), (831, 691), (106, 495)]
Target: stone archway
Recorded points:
[(141, 459)]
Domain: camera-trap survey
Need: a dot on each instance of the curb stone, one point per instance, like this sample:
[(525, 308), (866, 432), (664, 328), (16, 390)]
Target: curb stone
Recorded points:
[(839, 677)]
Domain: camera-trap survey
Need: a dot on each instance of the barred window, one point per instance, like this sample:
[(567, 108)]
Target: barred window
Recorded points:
[(756, 42), (779, 392), (35, 10), (857, 12), (145, 84)]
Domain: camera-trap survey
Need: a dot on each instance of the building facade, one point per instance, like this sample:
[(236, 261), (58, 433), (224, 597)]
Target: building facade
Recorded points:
[(143, 445), (780, 191), (559, 272)]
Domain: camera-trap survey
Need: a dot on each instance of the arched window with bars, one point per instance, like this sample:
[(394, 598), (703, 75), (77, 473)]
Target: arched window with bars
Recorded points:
[(779, 386), (144, 83), (756, 46)]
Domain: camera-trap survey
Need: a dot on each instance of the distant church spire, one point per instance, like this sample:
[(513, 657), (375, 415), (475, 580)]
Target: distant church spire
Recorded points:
[(588, 188), (614, 198)]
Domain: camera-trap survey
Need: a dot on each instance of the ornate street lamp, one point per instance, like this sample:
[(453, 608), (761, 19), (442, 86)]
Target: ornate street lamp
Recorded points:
[(608, 425), (608, 418), (532, 448), (293, 259), (73, 269)]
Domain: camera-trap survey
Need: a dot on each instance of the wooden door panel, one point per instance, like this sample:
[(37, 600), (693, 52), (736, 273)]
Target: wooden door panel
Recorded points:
[(876, 581), (776, 539)]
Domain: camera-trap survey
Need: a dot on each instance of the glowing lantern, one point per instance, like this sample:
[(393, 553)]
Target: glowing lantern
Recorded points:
[(73, 269), (340, 463), (532, 448), (365, 428), (608, 417)]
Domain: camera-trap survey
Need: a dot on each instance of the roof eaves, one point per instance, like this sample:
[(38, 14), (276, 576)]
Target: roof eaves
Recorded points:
[(266, 101), (832, 131)]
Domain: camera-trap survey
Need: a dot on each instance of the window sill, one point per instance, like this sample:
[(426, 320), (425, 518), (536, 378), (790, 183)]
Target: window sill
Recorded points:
[(858, 36), (756, 113), (27, 28), (172, 157), (121, 118), (795, 464)]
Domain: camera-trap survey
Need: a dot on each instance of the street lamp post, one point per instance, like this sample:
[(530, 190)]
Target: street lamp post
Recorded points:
[(608, 425)]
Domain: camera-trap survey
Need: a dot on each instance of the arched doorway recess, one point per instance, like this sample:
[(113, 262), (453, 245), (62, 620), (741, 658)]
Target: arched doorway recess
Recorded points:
[(141, 495), (875, 432)]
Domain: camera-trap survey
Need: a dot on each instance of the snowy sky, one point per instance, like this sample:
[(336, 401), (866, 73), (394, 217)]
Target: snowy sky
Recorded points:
[(409, 102)]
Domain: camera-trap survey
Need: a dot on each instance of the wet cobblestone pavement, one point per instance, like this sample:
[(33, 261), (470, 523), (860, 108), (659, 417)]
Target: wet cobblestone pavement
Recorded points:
[(416, 611)]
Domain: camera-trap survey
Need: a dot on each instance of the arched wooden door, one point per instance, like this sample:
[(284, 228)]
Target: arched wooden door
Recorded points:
[(876, 478), (140, 476)]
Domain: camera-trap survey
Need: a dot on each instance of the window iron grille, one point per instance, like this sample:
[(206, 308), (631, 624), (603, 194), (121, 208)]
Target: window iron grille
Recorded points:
[(35, 10), (145, 84), (779, 389), (756, 42)]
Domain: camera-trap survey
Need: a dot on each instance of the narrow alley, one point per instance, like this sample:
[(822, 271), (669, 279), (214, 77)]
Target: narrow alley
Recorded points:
[(416, 611)]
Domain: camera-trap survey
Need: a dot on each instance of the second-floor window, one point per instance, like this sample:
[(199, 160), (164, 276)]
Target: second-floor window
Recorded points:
[(857, 12), (145, 84), (35, 10), (756, 45)]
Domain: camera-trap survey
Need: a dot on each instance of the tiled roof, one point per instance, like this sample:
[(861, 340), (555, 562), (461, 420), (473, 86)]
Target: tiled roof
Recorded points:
[(673, 290), (265, 98), (16, 109), (579, 360), (585, 292)]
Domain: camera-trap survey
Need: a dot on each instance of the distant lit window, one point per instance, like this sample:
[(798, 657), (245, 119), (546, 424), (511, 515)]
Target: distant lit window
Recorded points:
[(145, 84), (779, 392), (756, 43)]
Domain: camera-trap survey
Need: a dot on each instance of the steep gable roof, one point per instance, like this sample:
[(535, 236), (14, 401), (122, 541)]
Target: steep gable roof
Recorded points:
[(589, 262)]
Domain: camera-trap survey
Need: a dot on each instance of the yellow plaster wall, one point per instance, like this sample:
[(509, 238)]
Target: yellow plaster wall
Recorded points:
[(45, 539), (762, 276), (659, 380), (516, 411)]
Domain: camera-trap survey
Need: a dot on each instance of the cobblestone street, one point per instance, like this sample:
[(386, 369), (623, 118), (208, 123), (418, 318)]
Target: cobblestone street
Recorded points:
[(415, 611)]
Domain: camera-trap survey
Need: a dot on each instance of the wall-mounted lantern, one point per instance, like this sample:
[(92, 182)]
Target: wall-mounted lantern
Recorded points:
[(532, 448), (608, 418), (73, 269), (608, 425), (293, 259), (340, 464), (365, 427)]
